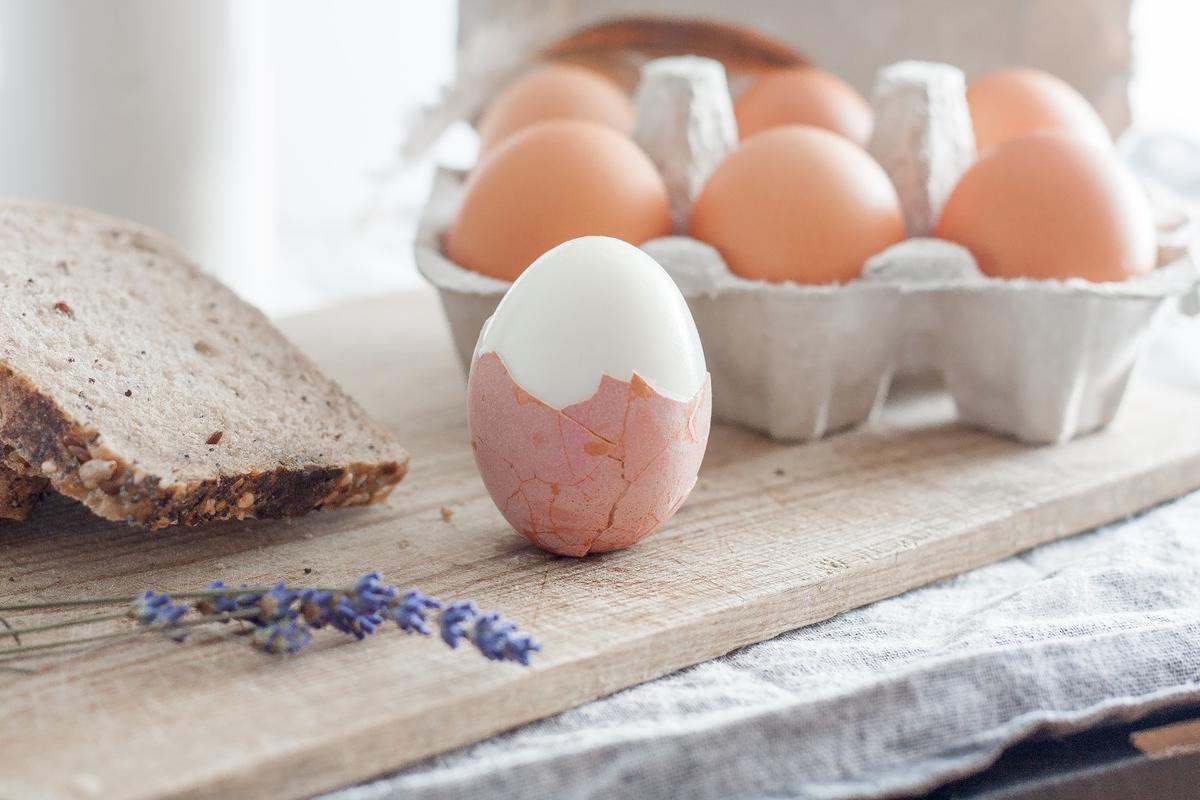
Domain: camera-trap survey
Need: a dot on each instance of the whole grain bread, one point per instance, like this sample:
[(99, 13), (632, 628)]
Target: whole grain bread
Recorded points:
[(147, 390), (18, 494)]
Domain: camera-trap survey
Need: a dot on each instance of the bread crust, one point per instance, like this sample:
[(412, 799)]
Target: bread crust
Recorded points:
[(76, 463), (19, 492), (57, 449)]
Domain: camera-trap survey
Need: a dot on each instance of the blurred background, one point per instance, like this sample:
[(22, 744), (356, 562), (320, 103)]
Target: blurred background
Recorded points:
[(266, 135)]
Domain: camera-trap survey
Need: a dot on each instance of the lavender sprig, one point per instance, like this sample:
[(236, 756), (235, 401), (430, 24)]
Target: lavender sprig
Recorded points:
[(492, 635), (156, 610), (409, 613), (283, 618), (287, 636)]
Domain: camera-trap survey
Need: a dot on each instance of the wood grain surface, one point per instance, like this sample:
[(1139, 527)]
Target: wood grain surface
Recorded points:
[(773, 538)]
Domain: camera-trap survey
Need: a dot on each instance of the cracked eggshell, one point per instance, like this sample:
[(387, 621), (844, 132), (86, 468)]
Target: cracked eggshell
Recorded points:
[(588, 399)]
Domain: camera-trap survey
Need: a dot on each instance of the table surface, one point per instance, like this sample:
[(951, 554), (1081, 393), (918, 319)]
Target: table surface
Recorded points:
[(775, 537)]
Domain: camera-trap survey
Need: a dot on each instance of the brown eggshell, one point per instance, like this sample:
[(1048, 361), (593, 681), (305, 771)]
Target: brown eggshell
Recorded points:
[(798, 204), (552, 182), (1014, 102), (803, 96), (554, 91), (596, 476), (1051, 206)]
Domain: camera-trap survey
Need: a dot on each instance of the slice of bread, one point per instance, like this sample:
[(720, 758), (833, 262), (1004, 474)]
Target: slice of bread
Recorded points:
[(147, 390), (18, 493)]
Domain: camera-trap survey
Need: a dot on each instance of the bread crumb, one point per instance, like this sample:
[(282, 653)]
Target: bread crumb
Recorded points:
[(215, 438), (447, 514), (246, 500), (64, 308), (98, 470)]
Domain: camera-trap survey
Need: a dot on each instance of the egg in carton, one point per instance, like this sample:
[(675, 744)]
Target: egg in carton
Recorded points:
[(797, 362), (1041, 360)]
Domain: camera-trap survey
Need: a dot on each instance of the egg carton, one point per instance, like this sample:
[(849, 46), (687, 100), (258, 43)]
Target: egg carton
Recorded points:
[(1042, 361)]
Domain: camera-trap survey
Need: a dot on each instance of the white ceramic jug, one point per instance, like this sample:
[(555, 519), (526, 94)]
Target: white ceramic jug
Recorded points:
[(157, 110)]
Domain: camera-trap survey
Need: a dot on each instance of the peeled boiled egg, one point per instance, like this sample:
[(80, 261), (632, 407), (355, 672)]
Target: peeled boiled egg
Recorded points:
[(803, 96), (1015, 102), (588, 399), (798, 204), (552, 182), (554, 91), (1051, 206)]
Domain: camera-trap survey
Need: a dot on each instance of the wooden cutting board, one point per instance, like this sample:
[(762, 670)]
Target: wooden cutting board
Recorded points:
[(774, 537)]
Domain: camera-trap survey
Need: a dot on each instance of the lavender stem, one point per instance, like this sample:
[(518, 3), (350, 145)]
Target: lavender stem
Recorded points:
[(249, 612), (16, 632), (228, 591)]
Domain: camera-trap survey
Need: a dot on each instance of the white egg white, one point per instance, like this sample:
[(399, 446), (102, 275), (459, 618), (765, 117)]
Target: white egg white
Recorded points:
[(591, 307)]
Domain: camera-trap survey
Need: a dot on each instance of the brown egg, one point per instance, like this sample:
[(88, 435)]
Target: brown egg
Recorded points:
[(1015, 102), (552, 182), (803, 96), (1051, 206), (554, 91), (798, 204)]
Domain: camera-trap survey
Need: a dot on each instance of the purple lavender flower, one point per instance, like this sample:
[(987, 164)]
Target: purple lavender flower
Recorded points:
[(348, 615), (229, 603), (276, 605), (372, 595), (317, 607), (358, 612), (153, 608), (454, 619), (221, 604), (409, 613), (497, 639), (284, 617), (156, 610), (288, 636)]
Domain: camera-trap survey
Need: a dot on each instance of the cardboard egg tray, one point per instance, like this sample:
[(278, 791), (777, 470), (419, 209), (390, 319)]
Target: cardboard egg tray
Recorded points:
[(1043, 361)]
